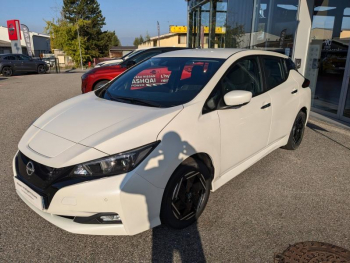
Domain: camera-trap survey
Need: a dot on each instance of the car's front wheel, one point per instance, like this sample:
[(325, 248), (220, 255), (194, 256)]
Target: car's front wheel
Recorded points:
[(186, 194), (41, 69), (297, 133), (100, 84), (7, 71)]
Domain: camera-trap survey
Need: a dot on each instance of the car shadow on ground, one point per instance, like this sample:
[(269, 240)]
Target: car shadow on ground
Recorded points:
[(319, 130), (167, 242), (315, 127), (1, 78)]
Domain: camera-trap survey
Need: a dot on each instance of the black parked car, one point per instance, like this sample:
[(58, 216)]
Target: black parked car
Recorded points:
[(11, 63)]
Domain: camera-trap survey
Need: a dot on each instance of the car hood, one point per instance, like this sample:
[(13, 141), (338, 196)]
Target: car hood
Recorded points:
[(108, 126)]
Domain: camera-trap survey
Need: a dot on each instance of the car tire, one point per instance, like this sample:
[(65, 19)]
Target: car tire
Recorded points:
[(99, 84), (7, 71), (41, 69), (297, 133), (186, 194)]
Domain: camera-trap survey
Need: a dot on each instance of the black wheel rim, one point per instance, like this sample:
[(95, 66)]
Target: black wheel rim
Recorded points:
[(41, 69), (7, 72), (298, 129), (188, 195)]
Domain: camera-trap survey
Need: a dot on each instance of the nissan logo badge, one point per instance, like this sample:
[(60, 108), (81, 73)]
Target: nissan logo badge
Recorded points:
[(30, 168)]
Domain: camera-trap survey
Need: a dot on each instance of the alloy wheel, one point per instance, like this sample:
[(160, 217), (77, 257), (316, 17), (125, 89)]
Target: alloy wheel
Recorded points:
[(188, 195), (7, 71), (298, 129), (41, 69)]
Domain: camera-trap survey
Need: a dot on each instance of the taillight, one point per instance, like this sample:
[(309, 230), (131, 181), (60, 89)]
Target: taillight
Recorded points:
[(306, 83)]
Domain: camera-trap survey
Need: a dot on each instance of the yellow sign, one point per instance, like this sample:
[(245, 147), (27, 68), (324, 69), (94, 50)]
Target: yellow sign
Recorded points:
[(183, 29)]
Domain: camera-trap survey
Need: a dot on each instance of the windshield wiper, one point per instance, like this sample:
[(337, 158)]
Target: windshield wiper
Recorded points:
[(134, 100)]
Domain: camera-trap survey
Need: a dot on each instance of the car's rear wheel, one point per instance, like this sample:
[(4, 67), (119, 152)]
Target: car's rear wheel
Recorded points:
[(186, 194), (41, 69), (297, 133), (7, 71), (100, 83)]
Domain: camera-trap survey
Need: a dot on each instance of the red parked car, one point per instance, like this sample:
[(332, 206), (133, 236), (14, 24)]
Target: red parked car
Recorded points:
[(98, 77)]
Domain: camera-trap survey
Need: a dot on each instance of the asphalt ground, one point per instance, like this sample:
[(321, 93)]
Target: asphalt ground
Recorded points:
[(287, 197)]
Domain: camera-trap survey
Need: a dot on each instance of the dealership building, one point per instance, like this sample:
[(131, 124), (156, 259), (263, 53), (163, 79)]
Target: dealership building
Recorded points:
[(314, 33), (40, 43)]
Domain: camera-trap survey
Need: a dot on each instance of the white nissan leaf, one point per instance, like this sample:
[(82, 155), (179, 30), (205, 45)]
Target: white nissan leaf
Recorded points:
[(149, 147)]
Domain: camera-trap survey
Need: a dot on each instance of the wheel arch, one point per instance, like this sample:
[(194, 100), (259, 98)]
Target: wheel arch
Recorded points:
[(304, 109), (6, 65), (202, 157)]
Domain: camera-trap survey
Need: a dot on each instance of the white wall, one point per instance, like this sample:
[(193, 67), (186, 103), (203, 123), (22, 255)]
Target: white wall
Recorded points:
[(302, 37)]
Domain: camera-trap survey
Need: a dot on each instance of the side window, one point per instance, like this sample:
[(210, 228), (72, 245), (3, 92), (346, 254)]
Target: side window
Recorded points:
[(10, 58), (22, 57), (243, 75), (274, 71)]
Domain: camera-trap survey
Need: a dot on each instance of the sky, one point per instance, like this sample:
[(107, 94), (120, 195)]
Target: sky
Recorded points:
[(129, 18)]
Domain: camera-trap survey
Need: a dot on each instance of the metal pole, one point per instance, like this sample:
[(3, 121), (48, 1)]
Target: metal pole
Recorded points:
[(188, 24), (212, 23), (158, 34), (198, 28), (81, 58)]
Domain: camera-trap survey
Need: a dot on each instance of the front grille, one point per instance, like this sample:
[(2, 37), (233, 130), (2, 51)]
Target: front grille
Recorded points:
[(43, 176), (43, 179)]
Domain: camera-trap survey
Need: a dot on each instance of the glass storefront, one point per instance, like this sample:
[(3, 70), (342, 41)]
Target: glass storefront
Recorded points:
[(270, 25), (346, 112), (328, 50), (273, 25)]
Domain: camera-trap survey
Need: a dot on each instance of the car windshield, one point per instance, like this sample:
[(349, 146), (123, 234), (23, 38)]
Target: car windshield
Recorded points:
[(131, 54), (162, 82)]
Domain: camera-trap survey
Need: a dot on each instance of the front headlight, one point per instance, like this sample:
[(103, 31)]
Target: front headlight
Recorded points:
[(115, 164)]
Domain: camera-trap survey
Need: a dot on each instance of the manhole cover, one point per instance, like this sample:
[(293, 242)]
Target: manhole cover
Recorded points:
[(313, 252)]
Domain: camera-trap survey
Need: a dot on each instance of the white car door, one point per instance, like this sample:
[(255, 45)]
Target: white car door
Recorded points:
[(283, 90), (244, 129)]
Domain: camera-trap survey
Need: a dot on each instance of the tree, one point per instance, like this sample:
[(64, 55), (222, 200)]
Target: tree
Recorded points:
[(111, 39), (138, 40), (83, 9), (64, 36), (147, 37), (86, 16)]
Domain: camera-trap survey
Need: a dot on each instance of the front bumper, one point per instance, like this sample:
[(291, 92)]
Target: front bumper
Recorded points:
[(84, 83), (134, 199), (77, 228)]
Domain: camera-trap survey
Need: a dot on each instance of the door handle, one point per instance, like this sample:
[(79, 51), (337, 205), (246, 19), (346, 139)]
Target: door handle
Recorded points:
[(266, 106), (294, 91)]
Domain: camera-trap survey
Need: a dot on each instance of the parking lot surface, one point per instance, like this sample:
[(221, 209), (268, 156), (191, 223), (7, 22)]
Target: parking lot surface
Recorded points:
[(287, 197)]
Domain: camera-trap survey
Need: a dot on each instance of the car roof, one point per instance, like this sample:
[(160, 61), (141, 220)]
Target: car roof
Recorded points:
[(222, 53)]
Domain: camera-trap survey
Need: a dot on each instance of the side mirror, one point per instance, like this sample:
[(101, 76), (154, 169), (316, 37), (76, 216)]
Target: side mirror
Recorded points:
[(130, 63), (237, 97)]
